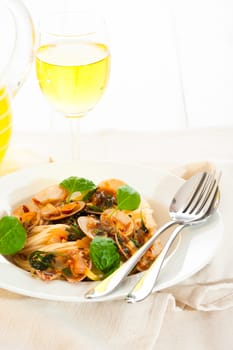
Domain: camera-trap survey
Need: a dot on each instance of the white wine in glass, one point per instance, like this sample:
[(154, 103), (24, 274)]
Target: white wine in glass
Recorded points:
[(73, 65)]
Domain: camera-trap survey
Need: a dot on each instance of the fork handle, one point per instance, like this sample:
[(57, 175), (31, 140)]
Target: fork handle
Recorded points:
[(145, 285), (111, 282)]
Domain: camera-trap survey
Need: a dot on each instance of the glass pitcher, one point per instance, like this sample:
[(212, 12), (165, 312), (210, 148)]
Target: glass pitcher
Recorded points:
[(16, 43)]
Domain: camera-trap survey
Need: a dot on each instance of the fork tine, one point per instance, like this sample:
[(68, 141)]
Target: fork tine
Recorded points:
[(193, 193), (204, 194), (198, 195), (178, 201), (207, 199)]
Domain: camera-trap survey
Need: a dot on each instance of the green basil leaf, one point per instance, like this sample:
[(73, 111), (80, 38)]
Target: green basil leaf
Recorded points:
[(104, 254), (78, 184), (12, 235), (127, 198)]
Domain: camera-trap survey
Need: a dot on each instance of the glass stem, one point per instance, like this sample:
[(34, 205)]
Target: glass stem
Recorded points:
[(64, 138), (74, 124)]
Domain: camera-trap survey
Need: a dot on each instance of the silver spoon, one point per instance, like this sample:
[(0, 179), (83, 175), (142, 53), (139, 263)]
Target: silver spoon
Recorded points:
[(144, 287), (188, 195)]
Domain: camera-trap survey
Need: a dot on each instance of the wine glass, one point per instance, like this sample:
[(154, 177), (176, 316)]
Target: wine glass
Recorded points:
[(72, 67)]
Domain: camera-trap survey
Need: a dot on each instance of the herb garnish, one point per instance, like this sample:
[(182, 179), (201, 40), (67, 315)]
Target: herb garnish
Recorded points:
[(74, 233), (67, 272), (127, 198), (94, 208), (77, 184), (135, 242), (144, 228), (104, 254), (12, 235), (40, 260)]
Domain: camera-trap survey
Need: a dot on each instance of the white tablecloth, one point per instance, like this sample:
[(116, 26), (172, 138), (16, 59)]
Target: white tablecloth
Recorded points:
[(155, 148), (29, 324)]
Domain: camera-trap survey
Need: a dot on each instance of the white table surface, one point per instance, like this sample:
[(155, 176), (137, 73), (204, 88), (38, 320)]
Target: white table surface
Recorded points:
[(162, 147)]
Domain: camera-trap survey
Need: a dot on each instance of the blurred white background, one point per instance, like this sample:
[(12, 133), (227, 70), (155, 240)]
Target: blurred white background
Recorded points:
[(171, 61)]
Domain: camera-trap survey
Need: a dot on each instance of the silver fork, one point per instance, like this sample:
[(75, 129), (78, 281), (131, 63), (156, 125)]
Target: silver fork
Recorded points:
[(181, 211), (206, 204)]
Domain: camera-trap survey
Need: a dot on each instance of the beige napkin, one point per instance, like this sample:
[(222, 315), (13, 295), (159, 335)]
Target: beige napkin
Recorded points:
[(29, 324)]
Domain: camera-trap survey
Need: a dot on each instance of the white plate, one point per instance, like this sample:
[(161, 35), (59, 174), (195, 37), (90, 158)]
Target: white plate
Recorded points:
[(196, 247)]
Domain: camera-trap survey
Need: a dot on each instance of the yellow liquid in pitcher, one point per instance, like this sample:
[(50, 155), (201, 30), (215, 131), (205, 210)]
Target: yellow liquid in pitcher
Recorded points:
[(5, 121), (73, 76)]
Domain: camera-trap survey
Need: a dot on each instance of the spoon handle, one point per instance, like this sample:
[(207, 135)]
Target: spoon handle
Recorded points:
[(111, 282), (145, 285)]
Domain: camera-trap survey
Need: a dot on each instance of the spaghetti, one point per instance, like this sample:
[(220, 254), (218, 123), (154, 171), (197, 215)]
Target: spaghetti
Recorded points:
[(86, 233)]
